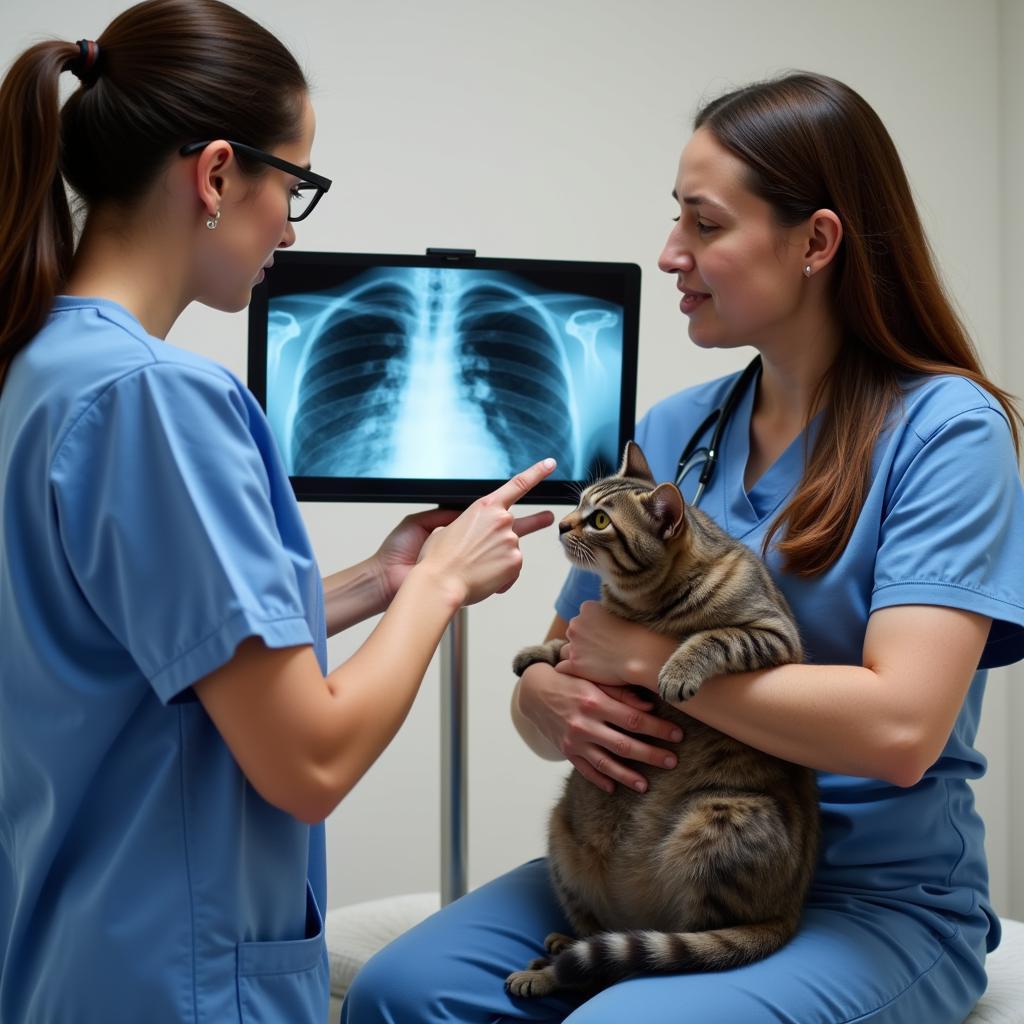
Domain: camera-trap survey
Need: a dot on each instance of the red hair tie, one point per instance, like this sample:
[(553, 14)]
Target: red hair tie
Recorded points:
[(88, 54)]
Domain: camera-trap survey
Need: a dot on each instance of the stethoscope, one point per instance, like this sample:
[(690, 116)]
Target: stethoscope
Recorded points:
[(707, 456)]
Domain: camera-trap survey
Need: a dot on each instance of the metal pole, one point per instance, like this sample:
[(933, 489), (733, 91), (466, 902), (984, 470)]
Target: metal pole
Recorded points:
[(453, 760)]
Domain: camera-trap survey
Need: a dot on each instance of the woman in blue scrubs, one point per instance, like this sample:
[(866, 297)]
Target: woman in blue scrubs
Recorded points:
[(876, 467), (170, 737)]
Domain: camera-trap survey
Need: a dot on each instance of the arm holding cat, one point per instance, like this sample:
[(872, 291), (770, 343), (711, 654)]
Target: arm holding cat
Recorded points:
[(564, 717), (888, 718)]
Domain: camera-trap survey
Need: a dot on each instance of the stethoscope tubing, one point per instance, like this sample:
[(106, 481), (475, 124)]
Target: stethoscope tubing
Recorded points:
[(720, 418)]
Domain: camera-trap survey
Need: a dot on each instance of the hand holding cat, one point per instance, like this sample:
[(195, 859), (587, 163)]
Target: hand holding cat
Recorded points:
[(607, 649), (478, 552), (583, 722)]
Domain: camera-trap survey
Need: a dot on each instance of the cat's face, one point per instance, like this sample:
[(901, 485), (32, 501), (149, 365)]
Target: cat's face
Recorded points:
[(624, 522)]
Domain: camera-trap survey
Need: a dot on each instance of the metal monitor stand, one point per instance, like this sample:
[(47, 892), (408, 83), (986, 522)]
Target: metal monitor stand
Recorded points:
[(453, 719), (453, 759)]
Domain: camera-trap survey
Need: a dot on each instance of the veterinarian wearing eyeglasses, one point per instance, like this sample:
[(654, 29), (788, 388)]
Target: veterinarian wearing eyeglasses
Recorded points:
[(877, 467), (169, 731)]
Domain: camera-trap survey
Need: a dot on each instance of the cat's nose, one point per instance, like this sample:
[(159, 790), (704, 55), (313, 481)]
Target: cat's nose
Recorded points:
[(564, 526)]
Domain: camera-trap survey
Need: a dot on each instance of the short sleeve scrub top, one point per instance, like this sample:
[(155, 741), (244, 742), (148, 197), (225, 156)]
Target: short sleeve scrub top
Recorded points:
[(942, 524), (148, 527), (899, 918)]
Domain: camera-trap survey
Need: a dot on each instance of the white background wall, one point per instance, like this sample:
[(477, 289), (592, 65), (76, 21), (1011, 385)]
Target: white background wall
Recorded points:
[(551, 129), (1011, 92)]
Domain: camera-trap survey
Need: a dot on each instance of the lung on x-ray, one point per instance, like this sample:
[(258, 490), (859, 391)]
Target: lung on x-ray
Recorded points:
[(425, 378)]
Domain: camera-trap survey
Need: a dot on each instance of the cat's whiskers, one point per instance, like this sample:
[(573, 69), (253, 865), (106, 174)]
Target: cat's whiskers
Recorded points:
[(579, 551)]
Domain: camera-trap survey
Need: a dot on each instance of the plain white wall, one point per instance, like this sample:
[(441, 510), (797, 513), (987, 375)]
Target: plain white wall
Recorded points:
[(1011, 90), (551, 129)]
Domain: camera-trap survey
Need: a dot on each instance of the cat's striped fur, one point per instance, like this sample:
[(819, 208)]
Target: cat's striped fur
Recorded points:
[(709, 869)]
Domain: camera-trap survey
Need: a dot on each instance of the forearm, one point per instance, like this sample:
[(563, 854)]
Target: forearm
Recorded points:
[(372, 692), (531, 735), (889, 718), (306, 741), (352, 595), (837, 718), (525, 726), (303, 740)]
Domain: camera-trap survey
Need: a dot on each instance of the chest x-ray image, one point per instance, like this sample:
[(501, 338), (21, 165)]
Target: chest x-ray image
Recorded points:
[(438, 372)]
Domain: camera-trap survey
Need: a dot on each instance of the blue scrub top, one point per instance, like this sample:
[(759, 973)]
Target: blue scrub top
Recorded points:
[(942, 524), (148, 528)]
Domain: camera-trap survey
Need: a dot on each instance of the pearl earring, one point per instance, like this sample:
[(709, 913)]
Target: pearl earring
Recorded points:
[(807, 270), (212, 222)]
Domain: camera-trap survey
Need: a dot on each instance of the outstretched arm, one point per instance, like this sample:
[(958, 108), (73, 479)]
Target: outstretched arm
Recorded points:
[(303, 740), (366, 589)]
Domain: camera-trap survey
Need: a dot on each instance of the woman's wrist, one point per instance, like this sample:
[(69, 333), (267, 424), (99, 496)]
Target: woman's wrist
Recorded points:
[(374, 568), (354, 594), (445, 587), (636, 671), (644, 661), (525, 725)]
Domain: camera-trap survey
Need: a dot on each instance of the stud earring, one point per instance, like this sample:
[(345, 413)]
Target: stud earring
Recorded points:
[(807, 269), (212, 222)]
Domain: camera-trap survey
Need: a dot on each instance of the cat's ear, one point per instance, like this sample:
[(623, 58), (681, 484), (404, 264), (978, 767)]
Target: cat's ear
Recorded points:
[(634, 463), (665, 506)]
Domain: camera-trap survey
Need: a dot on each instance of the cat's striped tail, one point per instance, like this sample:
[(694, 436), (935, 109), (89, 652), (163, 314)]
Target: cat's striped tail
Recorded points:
[(607, 957)]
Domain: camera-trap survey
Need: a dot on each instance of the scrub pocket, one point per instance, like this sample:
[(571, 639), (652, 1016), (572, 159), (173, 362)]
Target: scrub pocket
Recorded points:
[(285, 982)]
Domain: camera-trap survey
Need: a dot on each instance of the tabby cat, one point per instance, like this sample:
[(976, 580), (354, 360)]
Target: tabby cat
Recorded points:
[(709, 869)]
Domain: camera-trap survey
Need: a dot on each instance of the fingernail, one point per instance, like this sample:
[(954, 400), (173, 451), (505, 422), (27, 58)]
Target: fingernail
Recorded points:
[(670, 762), (677, 735), (639, 787), (548, 463)]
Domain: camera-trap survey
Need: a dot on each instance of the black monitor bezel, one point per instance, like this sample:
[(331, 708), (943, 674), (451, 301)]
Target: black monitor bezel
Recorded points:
[(456, 493)]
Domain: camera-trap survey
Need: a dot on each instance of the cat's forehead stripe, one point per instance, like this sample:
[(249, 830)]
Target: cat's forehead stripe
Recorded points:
[(608, 490)]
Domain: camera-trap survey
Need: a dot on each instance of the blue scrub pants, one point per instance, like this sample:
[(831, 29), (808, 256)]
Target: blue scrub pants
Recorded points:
[(854, 959)]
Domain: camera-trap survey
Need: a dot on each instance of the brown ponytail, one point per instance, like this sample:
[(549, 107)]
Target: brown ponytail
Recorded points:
[(166, 72), (813, 143), (35, 221)]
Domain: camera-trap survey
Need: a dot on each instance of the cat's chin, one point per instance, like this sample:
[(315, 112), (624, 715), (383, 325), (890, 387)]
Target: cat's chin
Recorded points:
[(570, 551), (584, 563)]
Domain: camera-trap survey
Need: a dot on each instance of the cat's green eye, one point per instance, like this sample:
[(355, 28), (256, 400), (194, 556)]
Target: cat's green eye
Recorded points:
[(599, 520)]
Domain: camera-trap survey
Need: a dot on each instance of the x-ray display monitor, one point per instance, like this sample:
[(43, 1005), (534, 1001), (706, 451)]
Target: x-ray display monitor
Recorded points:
[(435, 378)]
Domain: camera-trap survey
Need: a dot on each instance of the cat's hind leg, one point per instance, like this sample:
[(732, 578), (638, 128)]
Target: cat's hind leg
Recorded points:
[(536, 980), (541, 976), (554, 944), (533, 982)]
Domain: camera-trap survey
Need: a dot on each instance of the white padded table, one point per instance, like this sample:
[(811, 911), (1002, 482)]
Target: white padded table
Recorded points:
[(1003, 1002), (354, 933)]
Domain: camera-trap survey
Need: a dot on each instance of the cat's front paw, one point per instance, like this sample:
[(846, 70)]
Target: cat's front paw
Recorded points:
[(677, 683), (532, 984), (548, 653)]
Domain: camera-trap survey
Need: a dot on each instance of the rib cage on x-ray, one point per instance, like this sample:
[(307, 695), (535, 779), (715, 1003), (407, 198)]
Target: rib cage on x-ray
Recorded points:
[(442, 373)]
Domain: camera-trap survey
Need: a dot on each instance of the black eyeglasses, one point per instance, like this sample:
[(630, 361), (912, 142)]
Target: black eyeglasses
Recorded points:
[(301, 198)]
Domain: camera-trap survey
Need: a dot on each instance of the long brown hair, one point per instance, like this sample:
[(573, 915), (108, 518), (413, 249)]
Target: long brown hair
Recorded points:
[(809, 143), (166, 72)]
